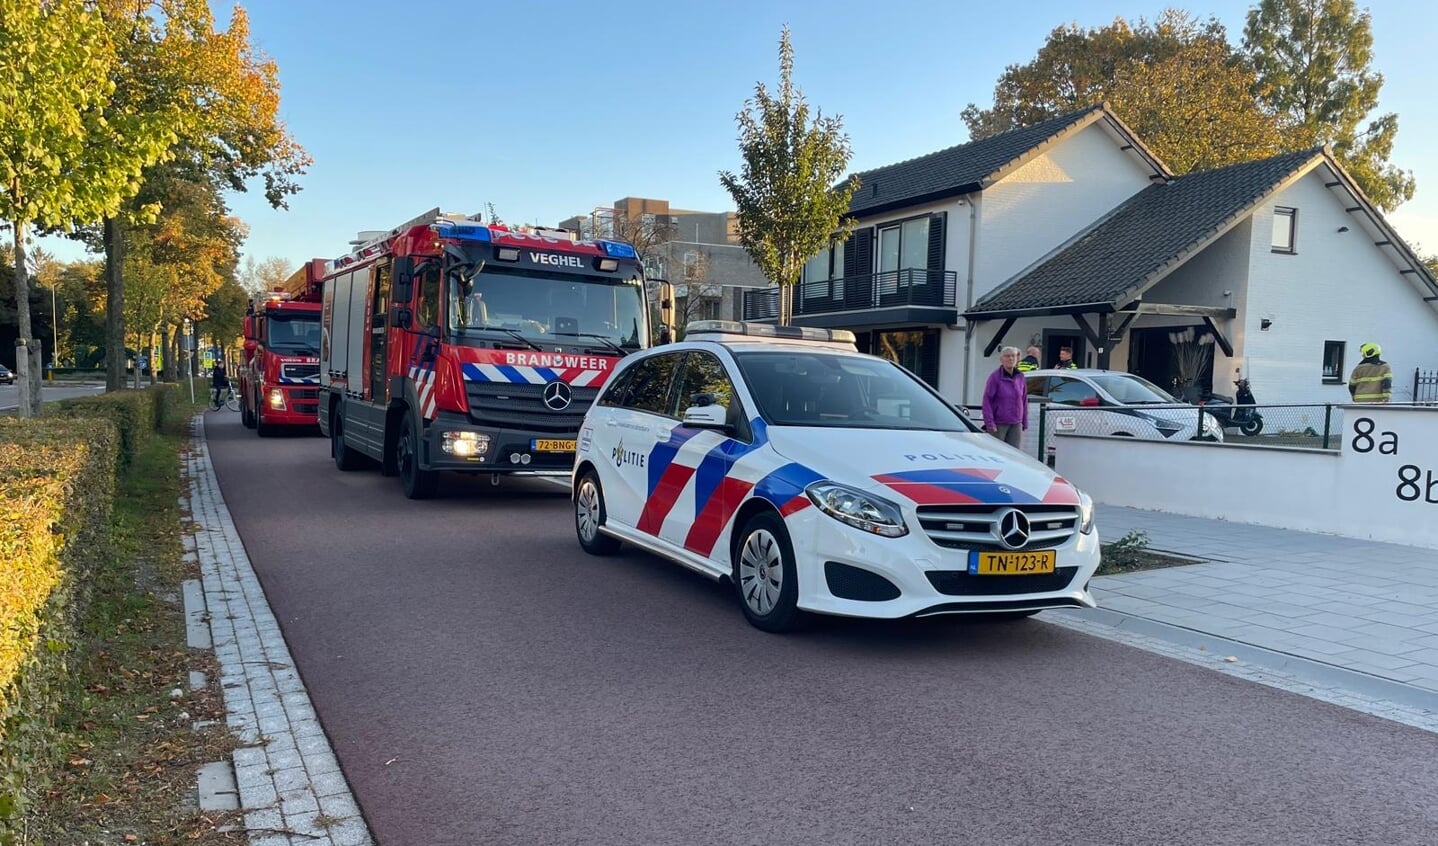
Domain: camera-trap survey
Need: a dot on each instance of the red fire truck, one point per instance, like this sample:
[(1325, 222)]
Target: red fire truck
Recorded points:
[(280, 377), (450, 344)]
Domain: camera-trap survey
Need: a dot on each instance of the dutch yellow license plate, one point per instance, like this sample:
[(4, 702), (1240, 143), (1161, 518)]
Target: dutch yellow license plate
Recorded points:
[(551, 445), (1013, 563)]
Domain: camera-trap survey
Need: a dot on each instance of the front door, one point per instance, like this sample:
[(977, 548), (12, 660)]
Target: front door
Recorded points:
[(626, 437), (1057, 339)]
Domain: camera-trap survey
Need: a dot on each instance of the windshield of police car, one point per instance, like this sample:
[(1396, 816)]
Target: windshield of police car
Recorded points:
[(815, 388), (548, 307)]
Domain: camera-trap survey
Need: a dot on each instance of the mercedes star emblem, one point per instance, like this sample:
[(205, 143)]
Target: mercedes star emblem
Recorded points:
[(558, 396), (1013, 528)]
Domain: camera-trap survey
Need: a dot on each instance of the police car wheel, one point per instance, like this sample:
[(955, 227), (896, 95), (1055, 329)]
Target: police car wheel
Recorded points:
[(589, 516), (765, 576)]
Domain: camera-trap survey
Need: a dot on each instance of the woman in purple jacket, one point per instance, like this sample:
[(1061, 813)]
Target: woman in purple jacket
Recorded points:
[(1006, 400)]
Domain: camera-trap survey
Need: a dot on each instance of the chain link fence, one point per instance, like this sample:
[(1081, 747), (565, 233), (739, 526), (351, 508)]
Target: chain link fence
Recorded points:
[(1316, 426)]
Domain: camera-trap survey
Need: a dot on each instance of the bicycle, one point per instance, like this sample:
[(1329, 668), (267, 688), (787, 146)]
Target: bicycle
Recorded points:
[(224, 398)]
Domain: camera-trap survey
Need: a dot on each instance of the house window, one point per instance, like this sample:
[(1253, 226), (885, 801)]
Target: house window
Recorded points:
[(1333, 361), (1285, 228), (904, 246), (823, 274)]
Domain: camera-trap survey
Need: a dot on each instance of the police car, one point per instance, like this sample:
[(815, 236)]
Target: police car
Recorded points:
[(818, 479)]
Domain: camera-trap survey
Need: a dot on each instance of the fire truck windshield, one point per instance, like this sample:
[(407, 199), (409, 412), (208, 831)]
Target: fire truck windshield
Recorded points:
[(543, 306), (293, 334)]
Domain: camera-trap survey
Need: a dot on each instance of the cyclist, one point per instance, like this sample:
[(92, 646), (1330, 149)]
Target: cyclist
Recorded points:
[(219, 383)]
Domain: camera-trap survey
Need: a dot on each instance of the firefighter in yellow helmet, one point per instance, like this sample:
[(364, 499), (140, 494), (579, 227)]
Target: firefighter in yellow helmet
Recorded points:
[(1372, 379)]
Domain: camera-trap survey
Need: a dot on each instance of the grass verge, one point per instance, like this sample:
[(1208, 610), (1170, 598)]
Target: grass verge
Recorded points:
[(130, 716)]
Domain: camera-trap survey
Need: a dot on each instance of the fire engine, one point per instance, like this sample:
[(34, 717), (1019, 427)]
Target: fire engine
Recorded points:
[(280, 376), (452, 344)]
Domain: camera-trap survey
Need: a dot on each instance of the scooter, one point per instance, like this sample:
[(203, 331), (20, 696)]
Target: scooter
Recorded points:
[(1240, 415)]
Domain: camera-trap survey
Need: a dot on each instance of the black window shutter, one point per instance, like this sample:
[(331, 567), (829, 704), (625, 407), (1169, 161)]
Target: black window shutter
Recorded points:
[(936, 240), (851, 255), (929, 349), (863, 253)]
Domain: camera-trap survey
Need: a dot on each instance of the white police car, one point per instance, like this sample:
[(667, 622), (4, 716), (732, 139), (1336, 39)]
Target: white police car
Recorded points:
[(819, 479)]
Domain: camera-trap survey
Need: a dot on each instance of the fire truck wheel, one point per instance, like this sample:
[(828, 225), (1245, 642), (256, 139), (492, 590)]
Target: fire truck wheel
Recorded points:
[(346, 459), (262, 428), (247, 417), (417, 483), (589, 516)]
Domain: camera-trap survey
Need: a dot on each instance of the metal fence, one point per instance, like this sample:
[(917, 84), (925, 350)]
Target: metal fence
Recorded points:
[(1425, 386)]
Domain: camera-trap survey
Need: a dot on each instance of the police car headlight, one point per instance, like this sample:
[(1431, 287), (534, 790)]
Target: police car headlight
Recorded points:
[(859, 509), (1085, 513)]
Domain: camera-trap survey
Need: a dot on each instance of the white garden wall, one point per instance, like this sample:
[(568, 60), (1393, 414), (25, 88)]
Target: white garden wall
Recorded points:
[(1382, 485)]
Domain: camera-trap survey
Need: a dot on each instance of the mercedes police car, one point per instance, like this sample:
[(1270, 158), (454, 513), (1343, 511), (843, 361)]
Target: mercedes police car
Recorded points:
[(819, 479)]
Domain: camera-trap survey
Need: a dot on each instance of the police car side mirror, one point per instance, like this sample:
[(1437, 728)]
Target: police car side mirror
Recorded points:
[(707, 417)]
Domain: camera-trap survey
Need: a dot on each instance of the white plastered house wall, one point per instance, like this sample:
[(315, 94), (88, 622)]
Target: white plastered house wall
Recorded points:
[(1025, 215), (1337, 286)]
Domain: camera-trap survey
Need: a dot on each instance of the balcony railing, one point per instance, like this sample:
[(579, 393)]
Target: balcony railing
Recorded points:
[(886, 289)]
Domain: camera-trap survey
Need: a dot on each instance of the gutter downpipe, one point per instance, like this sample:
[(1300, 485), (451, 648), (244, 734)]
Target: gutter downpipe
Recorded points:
[(972, 200)]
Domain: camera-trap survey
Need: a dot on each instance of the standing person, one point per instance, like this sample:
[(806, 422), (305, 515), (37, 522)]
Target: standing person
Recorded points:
[(1066, 359), (1006, 400), (1031, 361), (1372, 379)]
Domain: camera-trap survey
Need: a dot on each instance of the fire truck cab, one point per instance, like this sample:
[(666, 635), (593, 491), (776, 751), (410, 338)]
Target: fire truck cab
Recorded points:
[(279, 378), (450, 344)]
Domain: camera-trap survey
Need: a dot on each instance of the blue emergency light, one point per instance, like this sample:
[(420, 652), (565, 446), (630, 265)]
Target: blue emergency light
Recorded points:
[(616, 249), (467, 232)]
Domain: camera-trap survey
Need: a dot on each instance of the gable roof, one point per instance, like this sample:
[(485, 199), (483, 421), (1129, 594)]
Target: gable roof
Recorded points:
[(1151, 234), (974, 166)]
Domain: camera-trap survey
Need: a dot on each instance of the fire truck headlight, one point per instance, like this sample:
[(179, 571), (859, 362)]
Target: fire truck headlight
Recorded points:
[(465, 444), (277, 399)]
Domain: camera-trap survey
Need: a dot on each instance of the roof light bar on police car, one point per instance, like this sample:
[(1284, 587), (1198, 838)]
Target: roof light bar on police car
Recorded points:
[(765, 330)]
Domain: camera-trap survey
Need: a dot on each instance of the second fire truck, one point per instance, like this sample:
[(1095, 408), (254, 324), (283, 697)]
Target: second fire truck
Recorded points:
[(279, 380), (450, 344)]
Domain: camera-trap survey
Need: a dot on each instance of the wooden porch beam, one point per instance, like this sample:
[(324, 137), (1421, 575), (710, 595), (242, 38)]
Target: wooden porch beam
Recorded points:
[(1117, 335), (1219, 337), (1088, 331), (1176, 310), (999, 336)]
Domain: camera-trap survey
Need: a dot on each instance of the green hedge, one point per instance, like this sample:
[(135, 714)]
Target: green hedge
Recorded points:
[(57, 489), (135, 413)]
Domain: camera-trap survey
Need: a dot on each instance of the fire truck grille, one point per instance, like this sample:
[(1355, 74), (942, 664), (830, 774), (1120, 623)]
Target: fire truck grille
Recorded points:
[(305, 393), (300, 372), (520, 406)]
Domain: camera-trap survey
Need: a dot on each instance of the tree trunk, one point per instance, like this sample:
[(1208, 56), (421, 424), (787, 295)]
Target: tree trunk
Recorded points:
[(114, 305), (172, 354), (25, 375), (786, 305)]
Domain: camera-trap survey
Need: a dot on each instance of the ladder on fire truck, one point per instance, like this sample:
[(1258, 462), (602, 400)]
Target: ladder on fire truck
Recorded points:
[(371, 242)]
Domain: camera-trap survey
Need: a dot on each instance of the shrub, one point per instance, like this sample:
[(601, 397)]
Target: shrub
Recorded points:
[(1129, 552), (57, 487)]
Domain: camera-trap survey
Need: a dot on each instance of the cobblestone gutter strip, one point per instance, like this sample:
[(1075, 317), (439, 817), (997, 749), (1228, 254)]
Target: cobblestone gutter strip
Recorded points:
[(1334, 685), (290, 785)]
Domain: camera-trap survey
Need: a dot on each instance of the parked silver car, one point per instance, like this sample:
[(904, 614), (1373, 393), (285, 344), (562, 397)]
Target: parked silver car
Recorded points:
[(1124, 404)]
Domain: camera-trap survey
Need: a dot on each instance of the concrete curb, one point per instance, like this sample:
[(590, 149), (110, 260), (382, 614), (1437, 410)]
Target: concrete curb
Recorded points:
[(1339, 685), (289, 782)]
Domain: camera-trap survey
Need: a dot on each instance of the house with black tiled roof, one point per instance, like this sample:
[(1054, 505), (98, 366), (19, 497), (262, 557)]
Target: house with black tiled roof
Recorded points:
[(1072, 233)]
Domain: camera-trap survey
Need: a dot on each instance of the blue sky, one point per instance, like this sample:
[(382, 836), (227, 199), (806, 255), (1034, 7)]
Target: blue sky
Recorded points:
[(548, 110)]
